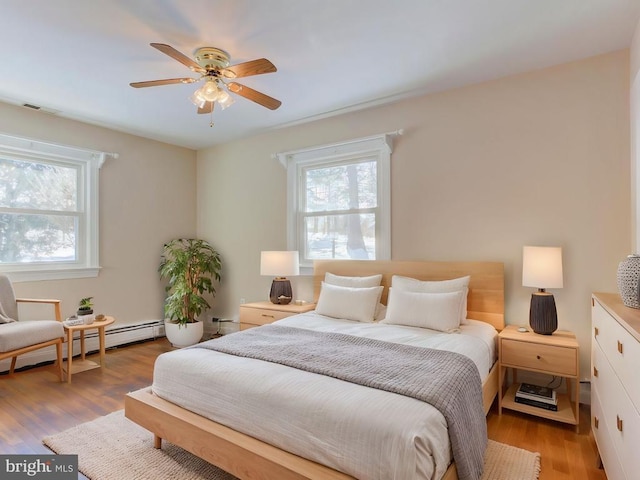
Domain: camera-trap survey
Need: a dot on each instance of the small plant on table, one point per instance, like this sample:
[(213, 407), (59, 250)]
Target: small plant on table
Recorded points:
[(85, 307)]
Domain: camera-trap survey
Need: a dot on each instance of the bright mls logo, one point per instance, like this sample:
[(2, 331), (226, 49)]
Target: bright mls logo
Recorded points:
[(46, 467)]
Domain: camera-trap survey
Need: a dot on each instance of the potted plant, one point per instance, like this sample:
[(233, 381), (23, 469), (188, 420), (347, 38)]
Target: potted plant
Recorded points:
[(85, 310), (190, 266), (85, 306)]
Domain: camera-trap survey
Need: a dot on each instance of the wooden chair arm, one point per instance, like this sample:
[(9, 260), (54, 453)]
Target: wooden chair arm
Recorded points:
[(52, 301)]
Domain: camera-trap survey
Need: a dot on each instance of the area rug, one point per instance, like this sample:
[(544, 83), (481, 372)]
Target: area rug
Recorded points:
[(113, 447)]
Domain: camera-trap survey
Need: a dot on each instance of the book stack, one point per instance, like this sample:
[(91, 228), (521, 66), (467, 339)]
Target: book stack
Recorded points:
[(536, 396)]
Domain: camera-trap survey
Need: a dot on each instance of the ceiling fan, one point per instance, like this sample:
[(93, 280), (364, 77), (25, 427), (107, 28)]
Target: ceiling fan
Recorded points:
[(213, 66)]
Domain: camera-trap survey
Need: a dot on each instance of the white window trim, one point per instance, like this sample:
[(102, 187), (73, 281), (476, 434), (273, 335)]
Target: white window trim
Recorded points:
[(89, 162), (379, 146)]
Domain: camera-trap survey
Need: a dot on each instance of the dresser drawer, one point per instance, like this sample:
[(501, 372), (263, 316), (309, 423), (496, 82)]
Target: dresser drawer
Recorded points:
[(609, 389), (551, 359), (602, 434), (620, 348)]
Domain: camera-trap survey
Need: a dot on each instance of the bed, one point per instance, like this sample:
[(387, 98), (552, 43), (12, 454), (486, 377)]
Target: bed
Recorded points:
[(248, 457)]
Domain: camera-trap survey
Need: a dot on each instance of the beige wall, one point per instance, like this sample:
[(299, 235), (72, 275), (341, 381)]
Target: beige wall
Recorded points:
[(139, 211), (635, 139), (536, 159)]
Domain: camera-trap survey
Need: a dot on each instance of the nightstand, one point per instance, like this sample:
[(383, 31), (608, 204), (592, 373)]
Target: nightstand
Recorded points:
[(556, 355), (261, 313)]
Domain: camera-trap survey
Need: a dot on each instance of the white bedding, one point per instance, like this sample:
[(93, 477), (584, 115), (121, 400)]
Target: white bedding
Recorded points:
[(366, 433)]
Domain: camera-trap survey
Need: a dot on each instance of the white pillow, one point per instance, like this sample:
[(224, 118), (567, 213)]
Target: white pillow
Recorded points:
[(359, 282), (357, 304), (436, 311), (430, 286), (356, 282)]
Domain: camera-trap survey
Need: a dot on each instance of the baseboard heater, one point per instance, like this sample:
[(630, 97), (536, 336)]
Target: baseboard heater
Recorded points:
[(115, 336)]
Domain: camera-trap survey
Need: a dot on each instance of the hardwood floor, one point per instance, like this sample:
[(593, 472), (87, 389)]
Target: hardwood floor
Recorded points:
[(565, 454), (35, 404)]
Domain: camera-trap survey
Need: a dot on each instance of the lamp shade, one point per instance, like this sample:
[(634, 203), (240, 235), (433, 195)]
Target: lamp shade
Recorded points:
[(279, 263), (542, 267)]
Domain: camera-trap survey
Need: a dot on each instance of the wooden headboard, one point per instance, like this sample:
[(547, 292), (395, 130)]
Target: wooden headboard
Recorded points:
[(485, 301)]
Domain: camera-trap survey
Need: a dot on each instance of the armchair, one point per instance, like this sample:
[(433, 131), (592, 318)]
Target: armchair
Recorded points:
[(18, 337)]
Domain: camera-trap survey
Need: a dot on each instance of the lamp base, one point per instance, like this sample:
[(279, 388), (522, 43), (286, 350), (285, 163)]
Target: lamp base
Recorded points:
[(543, 316), (281, 293)]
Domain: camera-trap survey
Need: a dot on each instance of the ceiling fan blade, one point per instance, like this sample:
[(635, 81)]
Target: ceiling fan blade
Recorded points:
[(168, 81), (254, 96), (176, 55), (206, 108), (246, 69)]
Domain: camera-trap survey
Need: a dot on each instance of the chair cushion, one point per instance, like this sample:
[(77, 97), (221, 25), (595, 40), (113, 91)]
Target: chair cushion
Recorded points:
[(17, 335)]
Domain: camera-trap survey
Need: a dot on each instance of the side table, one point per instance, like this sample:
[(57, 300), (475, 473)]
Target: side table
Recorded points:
[(555, 355), (83, 364)]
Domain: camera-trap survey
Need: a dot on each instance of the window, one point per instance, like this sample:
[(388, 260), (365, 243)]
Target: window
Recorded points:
[(339, 200), (48, 210)]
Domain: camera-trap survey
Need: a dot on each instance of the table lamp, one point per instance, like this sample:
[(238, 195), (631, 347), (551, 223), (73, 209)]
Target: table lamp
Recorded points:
[(542, 268), (280, 264)]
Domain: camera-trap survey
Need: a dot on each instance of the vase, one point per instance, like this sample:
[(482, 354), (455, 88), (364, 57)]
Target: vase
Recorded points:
[(628, 276)]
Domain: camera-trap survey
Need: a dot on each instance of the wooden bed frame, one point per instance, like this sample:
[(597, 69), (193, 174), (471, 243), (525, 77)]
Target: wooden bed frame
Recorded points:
[(249, 458)]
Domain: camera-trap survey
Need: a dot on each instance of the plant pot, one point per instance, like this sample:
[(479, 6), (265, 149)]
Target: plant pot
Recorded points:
[(183, 335)]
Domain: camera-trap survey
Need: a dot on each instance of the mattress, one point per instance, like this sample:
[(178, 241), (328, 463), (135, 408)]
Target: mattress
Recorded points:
[(364, 432)]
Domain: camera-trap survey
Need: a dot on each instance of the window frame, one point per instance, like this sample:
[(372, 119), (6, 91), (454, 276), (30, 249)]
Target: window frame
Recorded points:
[(377, 148), (87, 163)]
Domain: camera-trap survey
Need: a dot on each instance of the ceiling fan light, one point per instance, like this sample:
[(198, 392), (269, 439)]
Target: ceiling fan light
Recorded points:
[(197, 99), (225, 100), (210, 91)]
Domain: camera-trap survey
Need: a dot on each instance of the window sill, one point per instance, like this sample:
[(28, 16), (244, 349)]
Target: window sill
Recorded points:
[(51, 274)]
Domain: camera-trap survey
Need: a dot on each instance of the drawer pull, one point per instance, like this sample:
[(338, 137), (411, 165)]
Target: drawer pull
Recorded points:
[(596, 422), (268, 316), (595, 372), (619, 346), (595, 331), (619, 423)]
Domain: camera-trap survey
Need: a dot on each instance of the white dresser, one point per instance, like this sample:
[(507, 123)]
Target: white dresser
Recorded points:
[(615, 385)]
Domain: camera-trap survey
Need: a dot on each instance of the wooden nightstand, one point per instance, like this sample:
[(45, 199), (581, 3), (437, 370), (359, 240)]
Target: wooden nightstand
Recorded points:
[(261, 313), (556, 354)]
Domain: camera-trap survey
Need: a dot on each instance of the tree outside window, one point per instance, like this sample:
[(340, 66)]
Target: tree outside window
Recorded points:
[(48, 209)]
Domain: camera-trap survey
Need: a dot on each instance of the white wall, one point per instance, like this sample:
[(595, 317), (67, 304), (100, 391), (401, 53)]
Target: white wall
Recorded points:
[(147, 197), (540, 158)]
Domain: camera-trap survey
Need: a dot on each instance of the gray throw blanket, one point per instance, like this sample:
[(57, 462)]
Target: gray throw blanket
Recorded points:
[(448, 381)]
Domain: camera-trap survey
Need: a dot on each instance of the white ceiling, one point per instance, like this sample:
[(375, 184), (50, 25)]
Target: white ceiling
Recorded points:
[(78, 57)]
